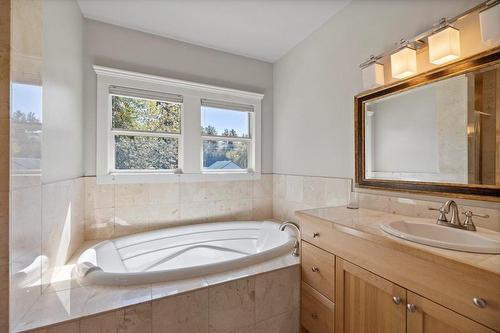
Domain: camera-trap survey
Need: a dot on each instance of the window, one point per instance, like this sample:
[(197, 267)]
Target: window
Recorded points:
[(226, 136), (148, 128)]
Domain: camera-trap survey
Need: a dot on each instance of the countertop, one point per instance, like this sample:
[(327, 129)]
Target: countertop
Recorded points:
[(364, 223)]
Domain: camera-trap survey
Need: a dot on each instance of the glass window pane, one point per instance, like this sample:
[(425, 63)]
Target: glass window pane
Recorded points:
[(146, 153), (223, 122), (218, 154), (140, 114)]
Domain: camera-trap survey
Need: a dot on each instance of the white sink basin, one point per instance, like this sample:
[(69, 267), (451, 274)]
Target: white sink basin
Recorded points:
[(444, 237)]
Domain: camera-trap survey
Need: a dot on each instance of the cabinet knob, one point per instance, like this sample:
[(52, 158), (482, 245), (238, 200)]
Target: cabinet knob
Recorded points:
[(396, 300), (315, 269), (314, 315), (411, 307), (316, 235), (479, 302)]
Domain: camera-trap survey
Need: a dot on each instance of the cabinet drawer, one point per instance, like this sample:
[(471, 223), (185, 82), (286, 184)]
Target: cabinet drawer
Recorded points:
[(318, 233), (317, 312), (318, 269)]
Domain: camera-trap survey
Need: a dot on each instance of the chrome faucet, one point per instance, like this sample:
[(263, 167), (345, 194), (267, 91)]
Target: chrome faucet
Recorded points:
[(297, 229), (455, 222)]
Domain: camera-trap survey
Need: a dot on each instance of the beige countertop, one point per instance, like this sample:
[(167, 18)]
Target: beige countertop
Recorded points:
[(364, 223)]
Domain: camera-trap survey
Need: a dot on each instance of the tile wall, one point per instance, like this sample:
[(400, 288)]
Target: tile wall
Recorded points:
[(47, 228), (264, 303), (116, 210), (292, 192)]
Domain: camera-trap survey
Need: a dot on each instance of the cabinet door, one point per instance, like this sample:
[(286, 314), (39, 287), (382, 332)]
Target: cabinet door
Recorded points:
[(426, 316), (367, 303)]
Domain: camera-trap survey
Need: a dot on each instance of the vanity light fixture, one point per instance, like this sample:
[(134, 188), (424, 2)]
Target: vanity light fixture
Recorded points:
[(489, 20), (444, 44), (404, 62), (373, 73)]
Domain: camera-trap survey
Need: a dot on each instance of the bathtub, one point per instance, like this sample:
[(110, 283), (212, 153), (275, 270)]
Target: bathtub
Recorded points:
[(182, 252)]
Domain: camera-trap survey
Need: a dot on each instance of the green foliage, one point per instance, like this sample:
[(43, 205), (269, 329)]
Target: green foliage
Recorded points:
[(146, 115), (143, 153), (159, 153)]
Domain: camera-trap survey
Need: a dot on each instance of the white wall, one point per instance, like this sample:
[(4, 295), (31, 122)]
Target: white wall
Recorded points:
[(62, 76), (117, 47), (315, 82)]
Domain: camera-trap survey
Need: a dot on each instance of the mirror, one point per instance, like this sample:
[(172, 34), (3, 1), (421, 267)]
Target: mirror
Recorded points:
[(439, 131)]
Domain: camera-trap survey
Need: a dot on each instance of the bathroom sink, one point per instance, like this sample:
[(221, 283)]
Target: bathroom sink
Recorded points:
[(444, 237)]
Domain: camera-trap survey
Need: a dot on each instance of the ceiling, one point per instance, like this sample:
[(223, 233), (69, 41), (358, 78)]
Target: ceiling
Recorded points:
[(260, 29)]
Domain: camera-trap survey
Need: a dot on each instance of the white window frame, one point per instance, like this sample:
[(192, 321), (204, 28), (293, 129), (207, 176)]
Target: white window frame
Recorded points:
[(250, 140), (190, 138)]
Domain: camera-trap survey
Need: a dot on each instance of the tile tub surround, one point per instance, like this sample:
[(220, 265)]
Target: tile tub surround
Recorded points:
[(293, 192), (259, 298), (122, 209), (46, 228)]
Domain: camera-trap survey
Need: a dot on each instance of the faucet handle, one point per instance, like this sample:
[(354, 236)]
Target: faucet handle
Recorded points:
[(468, 223), (442, 213), (471, 214)]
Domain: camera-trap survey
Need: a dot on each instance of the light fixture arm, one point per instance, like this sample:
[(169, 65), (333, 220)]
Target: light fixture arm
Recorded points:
[(417, 42)]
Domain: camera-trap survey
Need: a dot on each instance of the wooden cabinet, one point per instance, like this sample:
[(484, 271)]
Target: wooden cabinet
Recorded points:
[(318, 269), (366, 302), (426, 316), (366, 286), (316, 311)]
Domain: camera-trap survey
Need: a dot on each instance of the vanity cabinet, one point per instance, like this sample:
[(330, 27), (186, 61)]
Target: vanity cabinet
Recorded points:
[(354, 281), (367, 302), (430, 317)]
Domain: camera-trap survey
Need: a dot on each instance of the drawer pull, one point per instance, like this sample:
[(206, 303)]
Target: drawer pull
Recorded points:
[(411, 307), (316, 235), (314, 315), (396, 300), (479, 302), (315, 269)]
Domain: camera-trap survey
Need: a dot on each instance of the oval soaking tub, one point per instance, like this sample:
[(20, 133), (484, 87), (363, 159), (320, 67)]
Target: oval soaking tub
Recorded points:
[(182, 252)]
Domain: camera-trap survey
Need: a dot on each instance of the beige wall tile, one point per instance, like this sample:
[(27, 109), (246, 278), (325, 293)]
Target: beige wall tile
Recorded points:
[(97, 196), (135, 319), (161, 216), (314, 191), (102, 323), (337, 191), (131, 219), (277, 292), (263, 186), (62, 223), (193, 192), (231, 305), (288, 322), (262, 208), (195, 211), (100, 224), (279, 187), (294, 188), (184, 313), (162, 194), (127, 195), (69, 327)]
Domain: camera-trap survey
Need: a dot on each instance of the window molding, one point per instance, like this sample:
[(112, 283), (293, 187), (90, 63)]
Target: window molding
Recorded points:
[(190, 143)]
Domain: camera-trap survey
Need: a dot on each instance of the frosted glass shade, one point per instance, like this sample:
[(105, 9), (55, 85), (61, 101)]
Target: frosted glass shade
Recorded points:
[(489, 20), (373, 75), (404, 63), (444, 46)]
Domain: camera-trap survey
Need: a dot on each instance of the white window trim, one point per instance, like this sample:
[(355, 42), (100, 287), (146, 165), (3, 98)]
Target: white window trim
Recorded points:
[(190, 143)]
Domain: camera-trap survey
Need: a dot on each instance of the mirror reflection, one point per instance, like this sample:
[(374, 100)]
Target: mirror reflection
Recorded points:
[(446, 131)]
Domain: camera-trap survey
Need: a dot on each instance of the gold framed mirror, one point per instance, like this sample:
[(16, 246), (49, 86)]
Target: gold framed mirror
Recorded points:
[(435, 133)]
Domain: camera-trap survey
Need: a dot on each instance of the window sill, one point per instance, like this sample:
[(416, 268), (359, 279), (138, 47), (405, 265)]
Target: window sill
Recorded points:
[(170, 177)]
